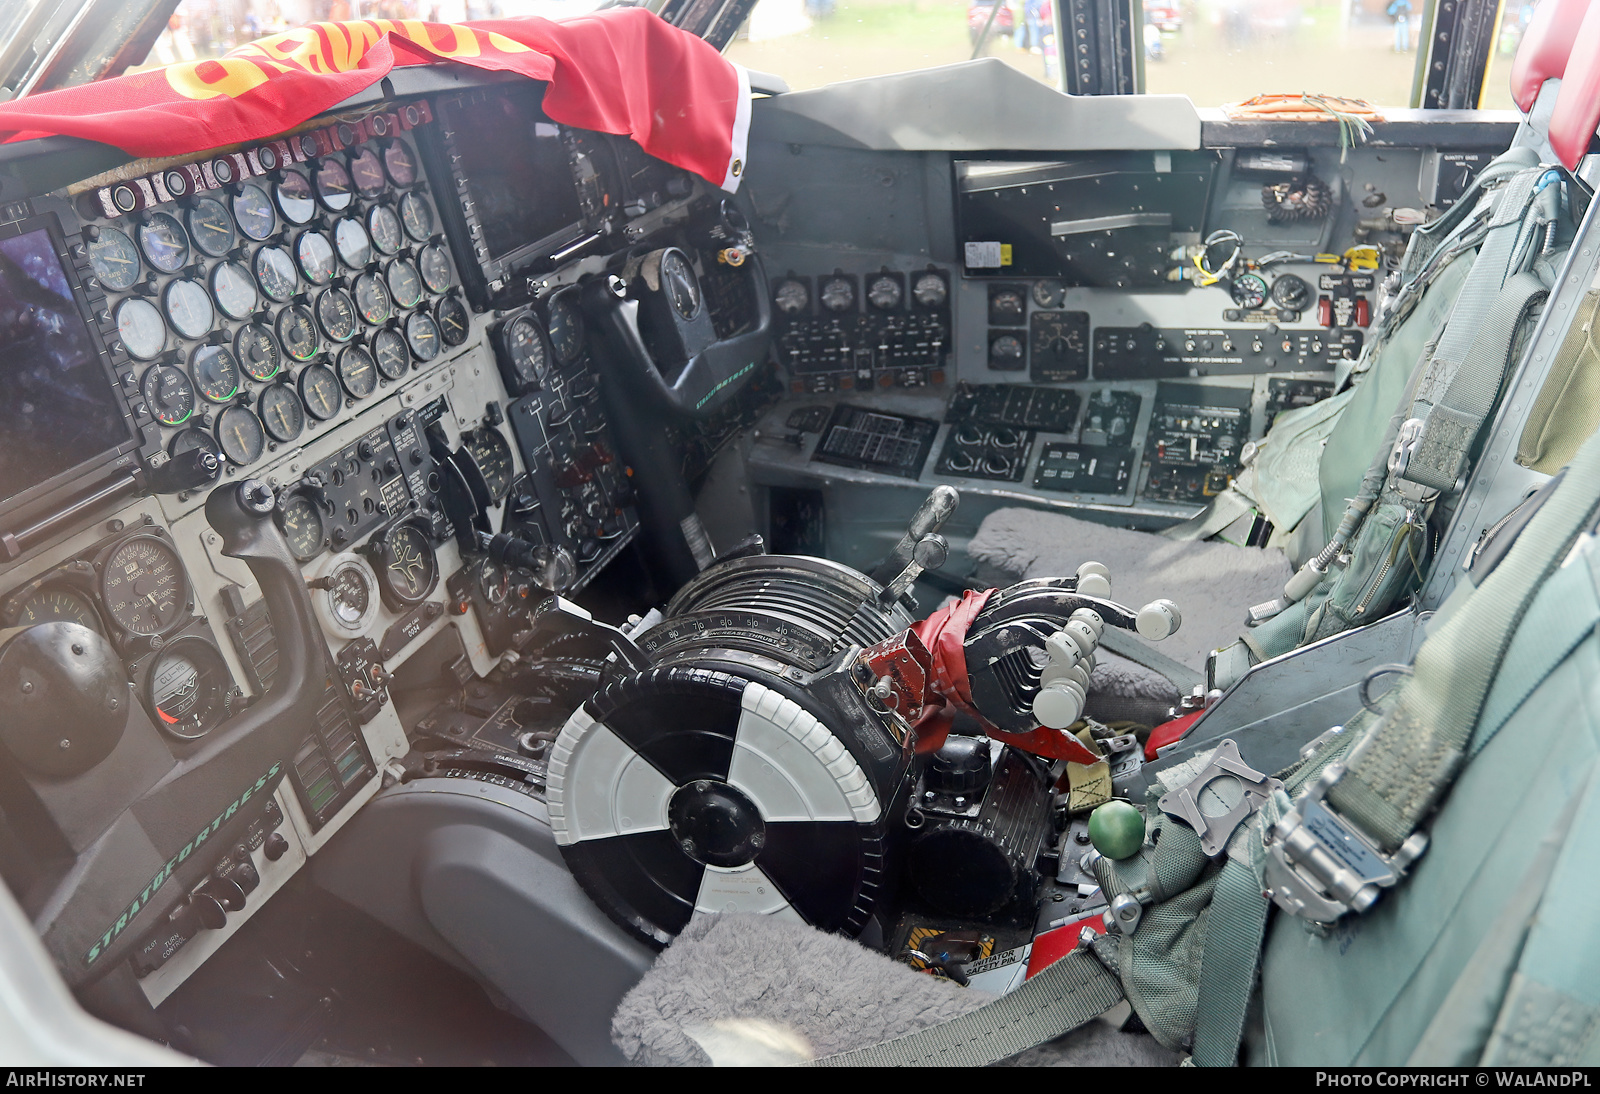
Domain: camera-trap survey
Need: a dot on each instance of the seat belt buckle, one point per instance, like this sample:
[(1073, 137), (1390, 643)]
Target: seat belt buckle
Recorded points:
[(1320, 866), (1405, 447)]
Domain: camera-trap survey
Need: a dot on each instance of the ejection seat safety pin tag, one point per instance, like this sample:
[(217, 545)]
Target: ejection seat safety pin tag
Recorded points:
[(1405, 447), (1320, 866), (1219, 798)]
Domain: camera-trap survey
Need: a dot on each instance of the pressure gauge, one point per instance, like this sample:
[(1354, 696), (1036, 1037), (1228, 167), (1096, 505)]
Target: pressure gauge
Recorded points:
[(1249, 291), (791, 296), (930, 290), (345, 595)]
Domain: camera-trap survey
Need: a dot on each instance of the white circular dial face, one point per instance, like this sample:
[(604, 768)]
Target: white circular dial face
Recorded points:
[(930, 290)]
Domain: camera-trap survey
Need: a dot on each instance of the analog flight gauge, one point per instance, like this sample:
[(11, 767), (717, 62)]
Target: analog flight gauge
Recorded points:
[(791, 296), (240, 436), (352, 242), (256, 349), (358, 372), (930, 290), (337, 314), (416, 217), (294, 197), (838, 294), (163, 242), (435, 266), (524, 355), (346, 595), (400, 163), (492, 455), (142, 585), (405, 283), (1049, 294), (383, 225), (55, 604), (390, 354), (253, 211), (372, 299), (366, 172), (451, 316), (334, 188), (422, 335), (275, 273), (192, 440), (188, 307), (1006, 306), (302, 527), (216, 372), (1249, 291), (319, 390), (188, 688), (233, 290), (281, 413), (1006, 352), (315, 255), (566, 329), (1292, 292), (406, 566), (885, 293), (168, 395), (139, 326), (115, 261), (297, 333), (210, 226)]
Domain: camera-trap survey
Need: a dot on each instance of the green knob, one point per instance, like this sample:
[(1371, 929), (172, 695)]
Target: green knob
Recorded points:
[(1117, 830)]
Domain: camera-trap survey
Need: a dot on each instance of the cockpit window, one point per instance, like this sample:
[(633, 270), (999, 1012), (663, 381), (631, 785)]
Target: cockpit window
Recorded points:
[(1214, 51)]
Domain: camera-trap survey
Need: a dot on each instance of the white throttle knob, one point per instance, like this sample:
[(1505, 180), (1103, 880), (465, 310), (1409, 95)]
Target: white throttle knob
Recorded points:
[(1094, 580), (1059, 704), (1078, 674), (1158, 619)]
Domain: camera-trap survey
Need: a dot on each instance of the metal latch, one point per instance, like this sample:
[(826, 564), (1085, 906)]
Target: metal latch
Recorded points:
[(1400, 456), (1320, 866), (1218, 799)]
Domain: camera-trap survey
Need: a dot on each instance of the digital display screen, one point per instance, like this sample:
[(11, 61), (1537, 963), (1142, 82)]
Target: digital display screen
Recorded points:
[(58, 408), (516, 165)]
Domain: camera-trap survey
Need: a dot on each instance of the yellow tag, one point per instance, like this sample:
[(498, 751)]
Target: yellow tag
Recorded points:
[(1087, 786), (1005, 254)]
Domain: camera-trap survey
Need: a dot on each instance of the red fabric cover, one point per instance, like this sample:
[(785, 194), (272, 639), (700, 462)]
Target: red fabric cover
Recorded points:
[(943, 633), (1577, 109), (622, 71), (1545, 47), (1167, 732)]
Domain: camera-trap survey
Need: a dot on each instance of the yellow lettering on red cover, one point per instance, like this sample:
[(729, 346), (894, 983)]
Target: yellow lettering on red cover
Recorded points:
[(230, 76)]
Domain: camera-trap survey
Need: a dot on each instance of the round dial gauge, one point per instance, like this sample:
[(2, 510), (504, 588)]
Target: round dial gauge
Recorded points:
[(1249, 291), (494, 581), (168, 394), (233, 290), (188, 688), (358, 372), (400, 163), (315, 255), (115, 261), (405, 283), (524, 347), (257, 351), (240, 436), (216, 373), (253, 210), (930, 290), (140, 327), (838, 294), (297, 334), (281, 413), (142, 585), (337, 314), (302, 526), (792, 297), (347, 595), (210, 226), (1291, 291), (58, 605), (390, 353), (319, 390), (294, 197), (422, 335), (489, 450), (163, 242), (372, 299), (1006, 306), (679, 282), (334, 188), (383, 224), (1005, 351), (416, 216), (566, 329), (885, 293), (407, 567), (451, 315), (366, 172), (191, 440), (189, 308), (275, 273), (352, 242), (435, 266), (1049, 293)]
